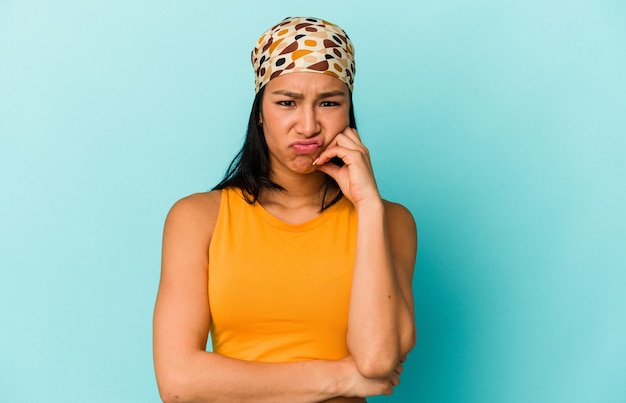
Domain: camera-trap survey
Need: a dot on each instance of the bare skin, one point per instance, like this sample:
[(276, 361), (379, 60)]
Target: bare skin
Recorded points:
[(305, 121)]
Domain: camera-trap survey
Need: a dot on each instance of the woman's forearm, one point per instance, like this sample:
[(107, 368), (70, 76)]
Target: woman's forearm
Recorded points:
[(210, 377)]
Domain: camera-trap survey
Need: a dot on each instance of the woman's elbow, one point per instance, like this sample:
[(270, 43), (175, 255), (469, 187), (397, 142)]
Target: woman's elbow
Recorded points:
[(380, 363), (376, 366), (407, 341)]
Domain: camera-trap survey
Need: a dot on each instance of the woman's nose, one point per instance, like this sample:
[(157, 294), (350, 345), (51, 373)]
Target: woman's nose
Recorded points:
[(308, 124)]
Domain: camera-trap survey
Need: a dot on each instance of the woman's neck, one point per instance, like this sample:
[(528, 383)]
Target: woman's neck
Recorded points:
[(300, 200)]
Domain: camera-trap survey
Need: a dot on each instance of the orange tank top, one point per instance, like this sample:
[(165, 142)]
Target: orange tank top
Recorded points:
[(280, 292)]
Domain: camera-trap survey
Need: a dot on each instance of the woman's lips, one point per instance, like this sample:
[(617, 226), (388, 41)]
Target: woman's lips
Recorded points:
[(306, 147)]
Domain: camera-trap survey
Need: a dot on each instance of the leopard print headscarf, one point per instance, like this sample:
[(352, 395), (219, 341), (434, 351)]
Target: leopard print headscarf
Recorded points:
[(307, 44)]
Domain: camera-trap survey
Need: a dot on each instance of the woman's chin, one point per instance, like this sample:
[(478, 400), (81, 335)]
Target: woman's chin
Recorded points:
[(304, 164)]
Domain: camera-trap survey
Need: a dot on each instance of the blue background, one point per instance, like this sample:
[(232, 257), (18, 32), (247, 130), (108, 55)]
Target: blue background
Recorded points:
[(500, 125)]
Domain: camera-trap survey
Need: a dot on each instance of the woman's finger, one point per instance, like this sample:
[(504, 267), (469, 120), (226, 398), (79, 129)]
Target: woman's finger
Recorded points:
[(394, 378), (348, 155), (346, 141), (342, 146), (399, 368), (353, 135)]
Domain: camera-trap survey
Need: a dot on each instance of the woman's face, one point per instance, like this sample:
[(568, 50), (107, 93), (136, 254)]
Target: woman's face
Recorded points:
[(301, 113)]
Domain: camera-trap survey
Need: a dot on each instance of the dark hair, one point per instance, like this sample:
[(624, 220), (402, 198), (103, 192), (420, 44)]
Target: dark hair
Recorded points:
[(250, 169)]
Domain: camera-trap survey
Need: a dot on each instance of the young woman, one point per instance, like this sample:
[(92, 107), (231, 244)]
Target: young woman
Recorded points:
[(295, 265)]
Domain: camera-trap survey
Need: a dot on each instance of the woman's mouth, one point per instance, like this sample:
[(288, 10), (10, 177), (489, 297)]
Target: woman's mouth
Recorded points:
[(306, 147)]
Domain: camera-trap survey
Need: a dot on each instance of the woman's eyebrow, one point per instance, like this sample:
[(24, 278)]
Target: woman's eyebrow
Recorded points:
[(288, 94), (297, 95), (332, 94)]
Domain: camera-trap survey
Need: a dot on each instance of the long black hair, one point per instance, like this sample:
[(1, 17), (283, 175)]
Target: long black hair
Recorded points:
[(250, 169)]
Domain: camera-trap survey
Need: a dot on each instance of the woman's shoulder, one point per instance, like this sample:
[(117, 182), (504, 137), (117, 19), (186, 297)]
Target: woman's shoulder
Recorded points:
[(199, 203), (400, 222), (198, 210), (397, 212)]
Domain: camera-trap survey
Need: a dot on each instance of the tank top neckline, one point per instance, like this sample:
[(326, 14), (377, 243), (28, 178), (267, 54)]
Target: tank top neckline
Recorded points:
[(276, 222)]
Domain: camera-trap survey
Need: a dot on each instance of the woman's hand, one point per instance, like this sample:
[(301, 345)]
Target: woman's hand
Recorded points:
[(355, 177), (356, 385)]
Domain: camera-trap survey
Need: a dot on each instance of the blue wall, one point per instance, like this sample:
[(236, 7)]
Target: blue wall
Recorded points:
[(501, 125)]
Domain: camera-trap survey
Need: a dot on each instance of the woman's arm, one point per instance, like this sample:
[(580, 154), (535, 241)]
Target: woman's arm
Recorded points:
[(185, 371), (381, 327)]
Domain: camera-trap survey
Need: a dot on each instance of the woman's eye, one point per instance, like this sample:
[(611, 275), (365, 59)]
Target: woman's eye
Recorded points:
[(286, 103), (328, 103)]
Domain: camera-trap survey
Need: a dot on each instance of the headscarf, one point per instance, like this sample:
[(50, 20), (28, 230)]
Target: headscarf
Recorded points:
[(303, 44)]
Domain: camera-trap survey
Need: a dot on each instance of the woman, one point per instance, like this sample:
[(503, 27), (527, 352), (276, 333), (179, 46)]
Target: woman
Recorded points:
[(303, 304)]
